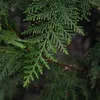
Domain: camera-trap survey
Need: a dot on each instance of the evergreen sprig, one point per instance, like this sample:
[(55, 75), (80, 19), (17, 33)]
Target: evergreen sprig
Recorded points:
[(53, 23)]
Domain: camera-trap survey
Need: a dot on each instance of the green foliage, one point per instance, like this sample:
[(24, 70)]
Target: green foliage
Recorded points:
[(53, 23), (94, 60), (7, 5), (66, 85), (6, 89)]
